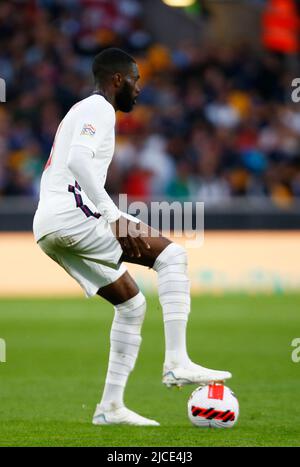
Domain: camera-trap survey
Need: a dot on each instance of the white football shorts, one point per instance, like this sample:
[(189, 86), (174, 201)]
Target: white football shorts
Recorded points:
[(90, 253)]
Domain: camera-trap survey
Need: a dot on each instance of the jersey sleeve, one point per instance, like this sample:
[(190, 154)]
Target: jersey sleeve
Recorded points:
[(92, 124), (81, 164)]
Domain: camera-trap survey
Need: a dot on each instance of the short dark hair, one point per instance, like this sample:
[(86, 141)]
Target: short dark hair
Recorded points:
[(110, 61)]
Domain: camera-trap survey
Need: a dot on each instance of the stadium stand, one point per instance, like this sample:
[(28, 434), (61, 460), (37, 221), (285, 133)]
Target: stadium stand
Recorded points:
[(214, 123)]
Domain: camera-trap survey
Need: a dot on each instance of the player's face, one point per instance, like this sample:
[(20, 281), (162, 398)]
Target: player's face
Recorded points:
[(127, 94)]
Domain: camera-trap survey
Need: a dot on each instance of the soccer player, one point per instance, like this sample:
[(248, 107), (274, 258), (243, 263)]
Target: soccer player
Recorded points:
[(78, 225)]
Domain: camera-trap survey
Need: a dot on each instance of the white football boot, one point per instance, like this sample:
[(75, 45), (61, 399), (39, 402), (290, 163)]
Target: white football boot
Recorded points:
[(120, 416), (192, 374)]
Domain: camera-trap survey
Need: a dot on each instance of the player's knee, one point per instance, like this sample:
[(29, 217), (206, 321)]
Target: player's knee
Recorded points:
[(133, 310), (173, 254), (180, 253)]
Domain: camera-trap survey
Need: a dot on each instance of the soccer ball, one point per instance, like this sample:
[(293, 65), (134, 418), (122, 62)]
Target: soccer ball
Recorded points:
[(213, 406)]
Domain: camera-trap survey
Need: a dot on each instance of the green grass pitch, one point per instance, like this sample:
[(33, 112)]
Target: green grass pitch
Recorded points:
[(57, 352)]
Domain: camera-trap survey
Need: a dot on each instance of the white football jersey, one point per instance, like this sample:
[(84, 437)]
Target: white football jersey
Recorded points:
[(63, 203)]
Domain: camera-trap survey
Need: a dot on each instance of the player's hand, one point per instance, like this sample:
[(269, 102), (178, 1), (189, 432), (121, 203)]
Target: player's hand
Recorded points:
[(131, 237)]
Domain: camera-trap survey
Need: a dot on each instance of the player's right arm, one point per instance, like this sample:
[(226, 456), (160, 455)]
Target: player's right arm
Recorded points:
[(91, 126), (89, 132), (131, 236), (81, 163)]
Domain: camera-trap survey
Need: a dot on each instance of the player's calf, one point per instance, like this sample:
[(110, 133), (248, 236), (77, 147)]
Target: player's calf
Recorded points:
[(174, 294), (125, 340)]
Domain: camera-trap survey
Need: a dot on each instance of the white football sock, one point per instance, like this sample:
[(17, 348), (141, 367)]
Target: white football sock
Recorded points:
[(175, 339), (125, 340), (174, 296)]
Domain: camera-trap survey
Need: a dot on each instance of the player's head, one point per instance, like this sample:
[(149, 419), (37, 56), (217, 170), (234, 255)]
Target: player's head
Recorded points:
[(117, 70)]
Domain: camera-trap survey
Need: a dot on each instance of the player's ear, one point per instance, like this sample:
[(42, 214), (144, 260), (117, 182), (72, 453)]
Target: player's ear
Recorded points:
[(117, 79)]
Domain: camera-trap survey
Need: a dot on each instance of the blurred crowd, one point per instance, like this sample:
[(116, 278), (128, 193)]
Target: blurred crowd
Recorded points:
[(213, 122)]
